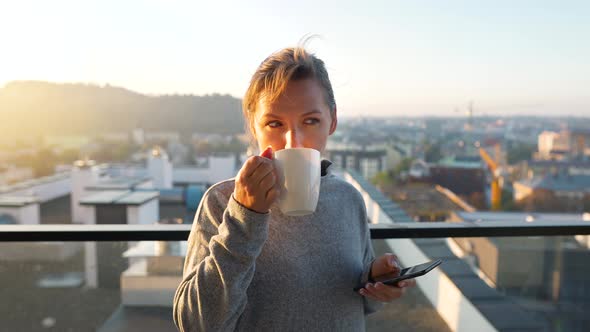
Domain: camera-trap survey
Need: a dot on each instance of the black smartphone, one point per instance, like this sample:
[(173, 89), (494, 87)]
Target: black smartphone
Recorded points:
[(407, 273)]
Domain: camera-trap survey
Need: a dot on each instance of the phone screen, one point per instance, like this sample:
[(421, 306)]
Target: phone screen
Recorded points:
[(415, 268), (407, 273)]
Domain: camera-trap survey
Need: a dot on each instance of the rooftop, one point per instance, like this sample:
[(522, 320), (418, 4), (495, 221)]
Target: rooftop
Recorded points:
[(120, 197), (522, 216), (460, 162), (578, 162), (559, 182), (17, 201), (34, 182), (420, 199), (119, 183)]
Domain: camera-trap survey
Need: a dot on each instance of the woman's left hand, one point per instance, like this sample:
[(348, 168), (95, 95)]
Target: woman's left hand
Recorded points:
[(387, 264)]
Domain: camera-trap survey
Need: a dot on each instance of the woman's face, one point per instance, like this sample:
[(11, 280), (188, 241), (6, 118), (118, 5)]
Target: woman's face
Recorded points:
[(300, 117)]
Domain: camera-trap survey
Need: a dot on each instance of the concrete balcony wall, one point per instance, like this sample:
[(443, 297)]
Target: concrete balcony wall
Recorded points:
[(452, 305)]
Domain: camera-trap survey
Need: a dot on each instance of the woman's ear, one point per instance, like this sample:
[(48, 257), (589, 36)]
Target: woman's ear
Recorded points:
[(334, 123)]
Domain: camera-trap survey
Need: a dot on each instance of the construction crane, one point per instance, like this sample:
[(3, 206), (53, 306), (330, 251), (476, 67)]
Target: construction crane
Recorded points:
[(494, 169)]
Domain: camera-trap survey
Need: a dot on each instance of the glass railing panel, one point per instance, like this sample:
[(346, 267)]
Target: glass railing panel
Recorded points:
[(536, 283), (412, 312), (123, 286), (88, 286), (502, 283)]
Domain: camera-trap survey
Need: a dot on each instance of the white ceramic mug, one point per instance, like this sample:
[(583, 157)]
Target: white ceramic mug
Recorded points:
[(299, 178)]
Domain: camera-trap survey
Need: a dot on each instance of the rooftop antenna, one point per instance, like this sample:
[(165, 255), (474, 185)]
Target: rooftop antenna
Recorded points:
[(470, 115)]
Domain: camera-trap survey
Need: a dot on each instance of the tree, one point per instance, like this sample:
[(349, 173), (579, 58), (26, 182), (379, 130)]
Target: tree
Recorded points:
[(520, 152), (43, 163), (113, 152), (507, 203), (203, 148), (432, 153), (477, 200), (383, 179), (403, 166), (69, 156)]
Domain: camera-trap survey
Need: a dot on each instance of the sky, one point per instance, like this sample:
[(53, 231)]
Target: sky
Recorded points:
[(384, 57)]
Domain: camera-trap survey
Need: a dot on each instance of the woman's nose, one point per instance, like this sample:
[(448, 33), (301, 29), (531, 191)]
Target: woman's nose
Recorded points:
[(293, 139)]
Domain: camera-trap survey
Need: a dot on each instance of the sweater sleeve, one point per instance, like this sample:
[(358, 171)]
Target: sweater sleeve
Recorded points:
[(371, 306), (225, 240)]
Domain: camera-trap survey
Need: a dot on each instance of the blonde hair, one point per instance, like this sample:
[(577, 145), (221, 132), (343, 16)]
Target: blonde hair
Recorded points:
[(275, 72)]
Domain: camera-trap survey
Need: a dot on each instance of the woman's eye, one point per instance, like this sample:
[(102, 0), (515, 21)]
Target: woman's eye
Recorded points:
[(312, 121), (274, 124)]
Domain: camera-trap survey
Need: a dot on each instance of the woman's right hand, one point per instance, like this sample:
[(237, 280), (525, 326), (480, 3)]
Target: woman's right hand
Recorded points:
[(256, 183)]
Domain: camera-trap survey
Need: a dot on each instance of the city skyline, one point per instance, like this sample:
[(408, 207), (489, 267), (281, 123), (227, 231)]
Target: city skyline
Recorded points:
[(384, 58)]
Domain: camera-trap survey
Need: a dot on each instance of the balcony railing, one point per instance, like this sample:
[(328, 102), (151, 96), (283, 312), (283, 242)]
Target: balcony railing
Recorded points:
[(464, 299), (45, 233)]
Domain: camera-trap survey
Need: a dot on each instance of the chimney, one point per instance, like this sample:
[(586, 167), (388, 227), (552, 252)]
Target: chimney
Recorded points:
[(84, 173), (138, 136), (104, 261), (160, 168)]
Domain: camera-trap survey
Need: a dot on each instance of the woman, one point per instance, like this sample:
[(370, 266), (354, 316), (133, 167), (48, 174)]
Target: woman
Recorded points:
[(251, 268)]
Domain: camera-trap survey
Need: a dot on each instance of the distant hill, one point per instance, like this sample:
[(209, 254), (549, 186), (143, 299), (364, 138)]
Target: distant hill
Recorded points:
[(43, 108)]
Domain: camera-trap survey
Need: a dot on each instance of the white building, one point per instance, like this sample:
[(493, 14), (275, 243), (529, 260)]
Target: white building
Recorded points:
[(24, 210), (160, 168), (552, 145)]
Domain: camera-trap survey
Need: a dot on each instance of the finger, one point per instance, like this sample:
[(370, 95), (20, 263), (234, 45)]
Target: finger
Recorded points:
[(264, 168), (250, 166), (267, 182), (389, 292), (272, 195), (274, 192), (407, 283), (392, 262), (381, 292), (268, 153), (386, 264), (374, 294), (370, 296), (368, 293)]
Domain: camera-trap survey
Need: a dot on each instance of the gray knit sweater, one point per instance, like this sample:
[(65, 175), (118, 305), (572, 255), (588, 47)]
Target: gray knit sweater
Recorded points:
[(248, 271)]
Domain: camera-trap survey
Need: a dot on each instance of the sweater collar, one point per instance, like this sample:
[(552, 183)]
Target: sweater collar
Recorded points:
[(325, 164)]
